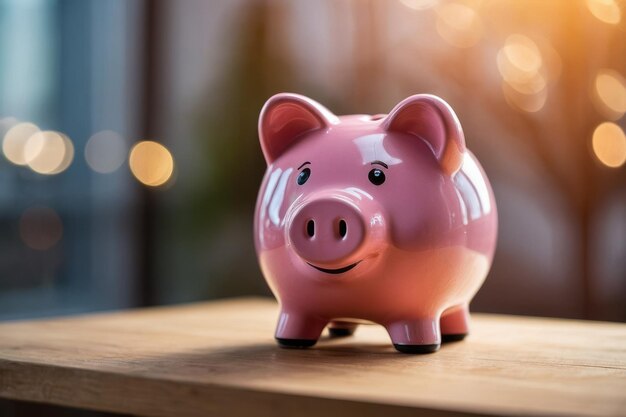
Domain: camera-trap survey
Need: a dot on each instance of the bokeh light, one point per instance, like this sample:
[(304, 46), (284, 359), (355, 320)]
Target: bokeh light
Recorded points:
[(69, 154), (419, 4), (151, 163), (520, 63), (105, 151), (609, 144), (610, 94), (526, 102), (519, 58), (48, 152), (15, 140), (607, 11), (522, 53), (459, 25), (524, 74), (40, 228)]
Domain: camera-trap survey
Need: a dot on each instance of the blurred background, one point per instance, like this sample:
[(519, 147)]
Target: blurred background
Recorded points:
[(130, 159)]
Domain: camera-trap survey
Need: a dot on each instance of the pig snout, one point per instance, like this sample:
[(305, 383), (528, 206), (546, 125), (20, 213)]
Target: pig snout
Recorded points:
[(327, 231), (332, 232)]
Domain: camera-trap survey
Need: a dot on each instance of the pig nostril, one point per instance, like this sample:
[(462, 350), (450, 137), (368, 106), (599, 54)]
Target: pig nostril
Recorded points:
[(310, 228), (343, 228)]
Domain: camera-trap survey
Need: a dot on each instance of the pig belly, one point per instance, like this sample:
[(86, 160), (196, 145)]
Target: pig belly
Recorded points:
[(396, 285)]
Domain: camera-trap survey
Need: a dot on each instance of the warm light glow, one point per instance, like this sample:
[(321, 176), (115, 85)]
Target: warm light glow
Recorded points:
[(611, 92), (15, 140), (525, 74), (534, 84), (48, 152), (607, 11), (609, 144), (520, 65), (522, 53), (529, 103), (40, 228), (151, 163), (69, 155), (459, 25), (419, 4), (105, 151)]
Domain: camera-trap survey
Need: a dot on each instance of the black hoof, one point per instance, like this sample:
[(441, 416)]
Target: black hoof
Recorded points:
[(445, 338), (295, 343), (340, 332), (417, 348)]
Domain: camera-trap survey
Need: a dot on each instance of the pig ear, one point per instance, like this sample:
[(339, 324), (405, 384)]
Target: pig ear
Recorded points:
[(433, 120), (285, 118)]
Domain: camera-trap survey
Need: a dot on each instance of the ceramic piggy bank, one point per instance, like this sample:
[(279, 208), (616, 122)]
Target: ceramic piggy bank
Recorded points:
[(386, 219)]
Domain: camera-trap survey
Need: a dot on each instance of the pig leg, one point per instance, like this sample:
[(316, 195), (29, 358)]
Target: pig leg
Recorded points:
[(455, 323), (415, 335), (297, 330), (341, 328)]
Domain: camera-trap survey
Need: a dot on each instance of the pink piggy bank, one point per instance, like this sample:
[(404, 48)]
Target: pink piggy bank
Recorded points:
[(386, 219)]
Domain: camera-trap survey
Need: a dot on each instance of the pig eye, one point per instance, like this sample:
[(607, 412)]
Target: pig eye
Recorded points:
[(376, 176), (304, 176)]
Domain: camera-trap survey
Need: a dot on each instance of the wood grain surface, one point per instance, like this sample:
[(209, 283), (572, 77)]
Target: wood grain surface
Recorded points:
[(220, 359)]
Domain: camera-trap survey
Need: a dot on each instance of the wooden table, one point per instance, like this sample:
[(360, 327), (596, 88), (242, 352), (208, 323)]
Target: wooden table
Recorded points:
[(220, 359)]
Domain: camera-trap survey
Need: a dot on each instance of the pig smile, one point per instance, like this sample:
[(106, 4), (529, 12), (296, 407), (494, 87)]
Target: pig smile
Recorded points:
[(335, 271)]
